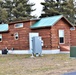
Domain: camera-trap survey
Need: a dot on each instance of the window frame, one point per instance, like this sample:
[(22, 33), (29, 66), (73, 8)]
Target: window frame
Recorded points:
[(15, 35), (15, 25), (1, 37), (72, 28), (61, 36)]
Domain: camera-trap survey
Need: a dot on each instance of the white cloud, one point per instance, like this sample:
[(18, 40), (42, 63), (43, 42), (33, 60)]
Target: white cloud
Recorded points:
[(37, 6)]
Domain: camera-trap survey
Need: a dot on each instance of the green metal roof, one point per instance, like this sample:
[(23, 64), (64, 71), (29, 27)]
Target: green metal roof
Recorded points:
[(46, 22), (3, 27)]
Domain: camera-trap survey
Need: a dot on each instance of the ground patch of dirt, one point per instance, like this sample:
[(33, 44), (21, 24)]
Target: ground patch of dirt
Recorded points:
[(53, 64)]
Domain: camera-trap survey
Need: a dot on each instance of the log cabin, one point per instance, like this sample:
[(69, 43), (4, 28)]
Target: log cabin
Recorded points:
[(54, 31)]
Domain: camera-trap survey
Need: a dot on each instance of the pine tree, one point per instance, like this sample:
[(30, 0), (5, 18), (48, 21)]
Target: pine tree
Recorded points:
[(63, 7), (18, 9), (68, 10), (49, 8), (8, 5), (22, 9), (3, 16), (3, 13)]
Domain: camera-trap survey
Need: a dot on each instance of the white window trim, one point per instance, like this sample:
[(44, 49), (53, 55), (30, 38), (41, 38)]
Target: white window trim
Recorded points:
[(15, 37), (59, 37), (1, 36), (18, 26), (72, 29)]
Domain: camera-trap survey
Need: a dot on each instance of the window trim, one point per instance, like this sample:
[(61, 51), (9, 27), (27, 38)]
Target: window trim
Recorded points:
[(73, 28), (1, 36), (63, 37), (15, 36), (18, 26)]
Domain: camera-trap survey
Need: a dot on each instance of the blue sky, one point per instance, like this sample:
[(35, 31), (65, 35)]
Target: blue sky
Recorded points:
[(37, 6)]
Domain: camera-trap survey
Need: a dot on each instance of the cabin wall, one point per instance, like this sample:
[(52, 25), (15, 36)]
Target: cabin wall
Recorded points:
[(8, 39), (45, 33), (73, 37), (60, 25)]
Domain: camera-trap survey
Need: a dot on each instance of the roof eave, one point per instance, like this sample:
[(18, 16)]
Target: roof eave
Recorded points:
[(68, 22), (40, 27), (55, 23), (4, 31), (23, 21)]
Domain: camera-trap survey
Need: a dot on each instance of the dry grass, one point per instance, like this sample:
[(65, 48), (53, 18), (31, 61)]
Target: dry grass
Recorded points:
[(53, 64)]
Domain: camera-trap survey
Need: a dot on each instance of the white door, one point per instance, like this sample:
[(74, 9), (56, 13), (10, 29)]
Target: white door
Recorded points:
[(30, 39)]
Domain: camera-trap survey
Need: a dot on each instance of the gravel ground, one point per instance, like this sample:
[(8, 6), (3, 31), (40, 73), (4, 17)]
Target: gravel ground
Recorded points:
[(53, 64)]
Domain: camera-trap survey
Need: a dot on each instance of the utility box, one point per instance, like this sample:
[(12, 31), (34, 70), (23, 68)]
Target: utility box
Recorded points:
[(73, 51), (36, 45)]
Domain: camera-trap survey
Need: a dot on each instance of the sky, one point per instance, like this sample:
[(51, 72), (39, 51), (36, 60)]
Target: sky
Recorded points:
[(37, 6)]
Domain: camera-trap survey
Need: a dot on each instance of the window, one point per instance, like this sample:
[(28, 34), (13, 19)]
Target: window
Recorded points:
[(61, 40), (72, 28), (18, 25), (16, 36), (0, 37), (61, 36)]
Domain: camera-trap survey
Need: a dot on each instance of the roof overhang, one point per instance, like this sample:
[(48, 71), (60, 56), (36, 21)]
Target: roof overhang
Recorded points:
[(4, 27), (49, 22)]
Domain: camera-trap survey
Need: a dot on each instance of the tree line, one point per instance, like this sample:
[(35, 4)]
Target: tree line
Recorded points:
[(15, 10), (60, 7)]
